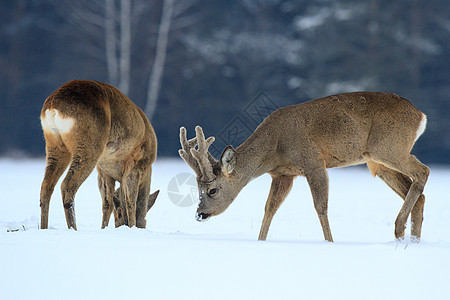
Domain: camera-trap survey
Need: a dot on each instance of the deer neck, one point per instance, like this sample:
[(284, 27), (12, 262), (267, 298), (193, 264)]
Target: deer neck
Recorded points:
[(251, 159)]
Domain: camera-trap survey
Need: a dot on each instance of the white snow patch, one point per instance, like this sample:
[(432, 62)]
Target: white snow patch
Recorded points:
[(319, 17), (309, 22), (347, 86), (161, 262)]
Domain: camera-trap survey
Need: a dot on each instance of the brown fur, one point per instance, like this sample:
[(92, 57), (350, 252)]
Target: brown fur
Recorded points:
[(110, 132), (379, 129)]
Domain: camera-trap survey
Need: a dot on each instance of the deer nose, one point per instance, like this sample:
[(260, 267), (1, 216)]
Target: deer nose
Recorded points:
[(202, 217)]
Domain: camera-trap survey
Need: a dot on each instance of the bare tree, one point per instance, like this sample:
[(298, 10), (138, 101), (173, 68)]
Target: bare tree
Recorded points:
[(113, 23), (125, 45), (103, 19), (173, 18), (111, 42), (154, 83)]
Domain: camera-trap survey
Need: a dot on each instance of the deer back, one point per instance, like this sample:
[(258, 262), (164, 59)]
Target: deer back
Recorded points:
[(340, 129)]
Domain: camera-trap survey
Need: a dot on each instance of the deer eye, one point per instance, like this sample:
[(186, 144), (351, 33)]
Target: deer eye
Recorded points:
[(212, 192)]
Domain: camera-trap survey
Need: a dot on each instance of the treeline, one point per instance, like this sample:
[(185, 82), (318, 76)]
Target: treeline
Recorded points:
[(222, 64)]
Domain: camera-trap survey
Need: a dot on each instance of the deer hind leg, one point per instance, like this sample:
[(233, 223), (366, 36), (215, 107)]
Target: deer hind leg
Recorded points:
[(418, 172), (130, 186), (281, 185), (142, 199), (82, 164), (57, 161), (401, 184), (417, 218), (106, 186), (318, 183)]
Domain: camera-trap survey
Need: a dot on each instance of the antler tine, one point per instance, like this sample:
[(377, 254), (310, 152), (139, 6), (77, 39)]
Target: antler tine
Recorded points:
[(185, 153), (202, 155)]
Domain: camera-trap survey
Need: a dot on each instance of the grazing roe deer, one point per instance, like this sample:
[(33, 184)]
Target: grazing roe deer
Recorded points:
[(379, 129), (87, 124)]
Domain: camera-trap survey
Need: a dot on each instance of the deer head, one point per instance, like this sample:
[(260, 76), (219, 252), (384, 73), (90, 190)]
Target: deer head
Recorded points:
[(217, 184), (120, 215)]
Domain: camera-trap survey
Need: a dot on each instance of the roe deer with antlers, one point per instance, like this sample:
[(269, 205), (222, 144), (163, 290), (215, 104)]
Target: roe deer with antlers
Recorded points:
[(87, 124), (379, 129)]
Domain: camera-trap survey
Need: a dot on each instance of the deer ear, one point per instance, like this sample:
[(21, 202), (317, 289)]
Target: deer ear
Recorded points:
[(151, 199), (228, 160)]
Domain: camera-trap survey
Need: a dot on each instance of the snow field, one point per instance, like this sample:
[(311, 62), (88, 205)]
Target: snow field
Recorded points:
[(179, 258)]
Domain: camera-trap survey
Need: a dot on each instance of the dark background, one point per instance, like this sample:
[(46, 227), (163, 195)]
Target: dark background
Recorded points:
[(226, 57)]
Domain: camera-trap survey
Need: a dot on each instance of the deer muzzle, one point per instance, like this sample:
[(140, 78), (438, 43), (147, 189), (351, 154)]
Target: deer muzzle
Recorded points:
[(201, 217)]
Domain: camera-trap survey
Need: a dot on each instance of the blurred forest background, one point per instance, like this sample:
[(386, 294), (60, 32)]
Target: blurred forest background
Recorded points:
[(189, 62)]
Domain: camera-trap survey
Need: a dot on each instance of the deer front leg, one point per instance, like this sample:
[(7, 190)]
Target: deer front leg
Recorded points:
[(281, 185), (120, 212), (318, 183), (142, 199), (130, 186), (106, 187)]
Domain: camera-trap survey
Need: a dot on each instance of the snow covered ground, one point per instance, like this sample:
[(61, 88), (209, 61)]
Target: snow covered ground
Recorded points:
[(179, 258)]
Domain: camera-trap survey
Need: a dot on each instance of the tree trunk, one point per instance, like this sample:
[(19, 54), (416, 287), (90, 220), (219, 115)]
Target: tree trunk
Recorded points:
[(156, 75), (110, 42), (125, 45)]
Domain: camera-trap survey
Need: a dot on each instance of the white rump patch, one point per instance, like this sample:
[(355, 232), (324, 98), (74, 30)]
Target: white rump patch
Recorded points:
[(54, 122), (422, 126)]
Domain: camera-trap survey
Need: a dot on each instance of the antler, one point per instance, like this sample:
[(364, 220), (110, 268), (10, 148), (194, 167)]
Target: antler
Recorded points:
[(185, 153), (200, 160)]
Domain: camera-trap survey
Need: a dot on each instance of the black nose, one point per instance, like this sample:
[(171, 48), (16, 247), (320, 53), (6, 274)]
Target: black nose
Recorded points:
[(202, 217)]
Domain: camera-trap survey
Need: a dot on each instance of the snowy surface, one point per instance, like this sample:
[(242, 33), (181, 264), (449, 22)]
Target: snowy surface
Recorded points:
[(179, 258)]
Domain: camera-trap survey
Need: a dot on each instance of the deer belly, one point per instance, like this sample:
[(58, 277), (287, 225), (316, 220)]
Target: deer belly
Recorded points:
[(286, 171), (336, 161)]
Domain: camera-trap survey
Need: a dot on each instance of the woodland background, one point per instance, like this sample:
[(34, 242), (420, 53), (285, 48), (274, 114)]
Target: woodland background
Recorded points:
[(189, 62)]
